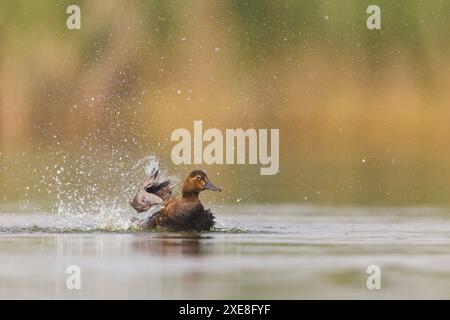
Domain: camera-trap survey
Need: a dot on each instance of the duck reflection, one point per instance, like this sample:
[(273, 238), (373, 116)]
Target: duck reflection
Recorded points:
[(176, 244)]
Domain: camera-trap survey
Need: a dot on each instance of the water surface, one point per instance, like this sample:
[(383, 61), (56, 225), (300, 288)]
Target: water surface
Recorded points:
[(256, 252)]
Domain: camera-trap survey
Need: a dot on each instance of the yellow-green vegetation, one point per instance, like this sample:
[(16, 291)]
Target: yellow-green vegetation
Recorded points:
[(363, 114)]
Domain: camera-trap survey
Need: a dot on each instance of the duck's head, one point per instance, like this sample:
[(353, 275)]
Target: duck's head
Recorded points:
[(196, 182)]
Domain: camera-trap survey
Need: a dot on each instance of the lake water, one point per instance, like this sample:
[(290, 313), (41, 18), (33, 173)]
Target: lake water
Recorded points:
[(257, 252)]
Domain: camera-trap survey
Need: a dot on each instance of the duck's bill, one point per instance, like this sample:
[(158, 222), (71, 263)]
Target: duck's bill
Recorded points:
[(210, 186)]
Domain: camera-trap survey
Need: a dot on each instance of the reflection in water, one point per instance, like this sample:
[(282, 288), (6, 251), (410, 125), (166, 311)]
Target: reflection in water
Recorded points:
[(181, 244), (176, 245)]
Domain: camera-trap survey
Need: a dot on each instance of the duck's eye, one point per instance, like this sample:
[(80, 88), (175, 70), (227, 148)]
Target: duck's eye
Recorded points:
[(199, 177)]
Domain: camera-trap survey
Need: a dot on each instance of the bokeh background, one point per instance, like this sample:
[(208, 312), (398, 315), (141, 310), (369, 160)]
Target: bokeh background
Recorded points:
[(364, 115)]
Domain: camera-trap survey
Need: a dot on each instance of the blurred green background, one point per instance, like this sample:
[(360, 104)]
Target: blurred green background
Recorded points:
[(363, 114)]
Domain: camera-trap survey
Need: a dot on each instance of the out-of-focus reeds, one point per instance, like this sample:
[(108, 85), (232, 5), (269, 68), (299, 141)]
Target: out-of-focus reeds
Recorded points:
[(363, 114)]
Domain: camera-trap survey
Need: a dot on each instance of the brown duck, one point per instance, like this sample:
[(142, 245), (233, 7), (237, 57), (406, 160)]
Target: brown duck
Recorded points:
[(185, 213)]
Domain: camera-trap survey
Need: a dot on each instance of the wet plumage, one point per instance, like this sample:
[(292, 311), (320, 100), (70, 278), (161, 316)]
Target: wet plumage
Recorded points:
[(184, 213)]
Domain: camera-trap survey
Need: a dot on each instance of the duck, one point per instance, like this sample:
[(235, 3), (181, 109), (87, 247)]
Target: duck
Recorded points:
[(182, 213)]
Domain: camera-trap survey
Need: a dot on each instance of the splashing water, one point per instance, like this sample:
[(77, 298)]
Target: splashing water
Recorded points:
[(102, 206)]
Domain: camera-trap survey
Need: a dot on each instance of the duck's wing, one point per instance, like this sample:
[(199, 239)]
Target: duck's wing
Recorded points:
[(152, 191), (149, 222), (161, 189)]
